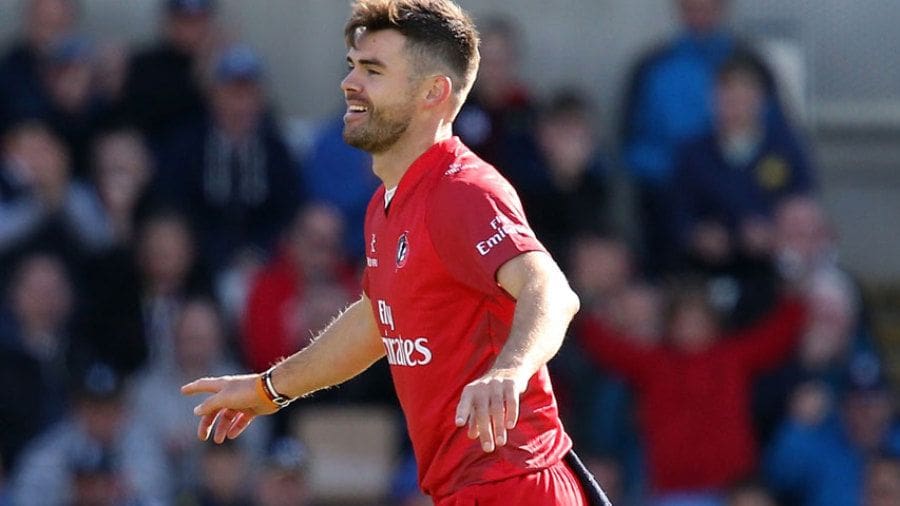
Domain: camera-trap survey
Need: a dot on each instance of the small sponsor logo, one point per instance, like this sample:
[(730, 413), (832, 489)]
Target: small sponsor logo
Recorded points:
[(402, 250), (371, 262), (385, 314), (407, 352), (502, 229)]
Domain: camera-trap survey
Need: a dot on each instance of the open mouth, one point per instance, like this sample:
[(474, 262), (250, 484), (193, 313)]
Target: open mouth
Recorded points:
[(355, 111)]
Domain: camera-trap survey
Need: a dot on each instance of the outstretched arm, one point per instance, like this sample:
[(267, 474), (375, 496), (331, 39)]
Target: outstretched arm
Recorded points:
[(343, 350), (545, 306)]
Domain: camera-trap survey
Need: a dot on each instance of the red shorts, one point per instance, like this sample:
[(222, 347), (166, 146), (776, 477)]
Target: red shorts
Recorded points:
[(553, 486)]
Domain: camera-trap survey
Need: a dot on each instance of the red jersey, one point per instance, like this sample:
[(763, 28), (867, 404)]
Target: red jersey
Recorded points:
[(432, 259)]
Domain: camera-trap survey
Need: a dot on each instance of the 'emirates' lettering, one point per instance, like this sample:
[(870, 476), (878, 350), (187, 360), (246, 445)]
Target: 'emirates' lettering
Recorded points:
[(407, 352)]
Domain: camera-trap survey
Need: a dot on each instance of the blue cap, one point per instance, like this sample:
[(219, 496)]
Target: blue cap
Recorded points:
[(69, 50), (190, 7), (239, 63)]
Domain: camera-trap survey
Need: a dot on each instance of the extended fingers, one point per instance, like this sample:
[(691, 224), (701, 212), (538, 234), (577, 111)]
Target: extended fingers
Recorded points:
[(483, 422), (241, 422), (226, 419), (203, 386), (205, 425), (511, 405), (464, 408), (496, 409), (491, 408)]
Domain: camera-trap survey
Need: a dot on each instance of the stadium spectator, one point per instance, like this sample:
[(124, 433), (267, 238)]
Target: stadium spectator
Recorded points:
[(122, 169), (200, 341), (804, 238), (45, 23), (285, 299), (806, 245), (600, 267), (829, 343), (669, 101), (41, 205), (727, 184), (568, 191), (882, 486), (340, 175), (819, 454), (694, 391), (34, 341), (136, 293), (163, 87), (600, 405), (231, 171), (95, 429), (75, 110), (282, 479), (498, 119)]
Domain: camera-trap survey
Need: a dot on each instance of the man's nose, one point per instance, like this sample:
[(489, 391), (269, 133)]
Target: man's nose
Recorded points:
[(349, 84)]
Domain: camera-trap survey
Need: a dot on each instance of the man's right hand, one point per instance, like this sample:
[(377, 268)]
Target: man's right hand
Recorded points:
[(234, 403)]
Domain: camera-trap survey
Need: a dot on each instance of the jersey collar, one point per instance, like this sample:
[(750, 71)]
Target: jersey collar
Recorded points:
[(432, 159)]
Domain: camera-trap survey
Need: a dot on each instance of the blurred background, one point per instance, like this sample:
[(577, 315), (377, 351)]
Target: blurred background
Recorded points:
[(718, 179)]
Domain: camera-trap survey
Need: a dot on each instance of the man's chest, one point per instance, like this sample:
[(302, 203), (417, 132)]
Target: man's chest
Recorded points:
[(401, 262)]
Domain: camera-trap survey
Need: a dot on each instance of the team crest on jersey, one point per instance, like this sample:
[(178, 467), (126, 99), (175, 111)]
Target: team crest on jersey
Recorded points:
[(402, 250)]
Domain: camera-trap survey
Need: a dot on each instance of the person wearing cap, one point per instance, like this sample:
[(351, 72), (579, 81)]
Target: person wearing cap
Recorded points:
[(45, 22), (231, 170), (818, 456), (97, 422), (162, 86), (75, 111)]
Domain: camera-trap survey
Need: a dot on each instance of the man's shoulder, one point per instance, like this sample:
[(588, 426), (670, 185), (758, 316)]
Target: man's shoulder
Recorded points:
[(467, 173)]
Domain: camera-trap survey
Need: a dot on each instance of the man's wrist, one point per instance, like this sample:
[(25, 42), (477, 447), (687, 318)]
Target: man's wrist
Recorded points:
[(517, 373), (270, 391)]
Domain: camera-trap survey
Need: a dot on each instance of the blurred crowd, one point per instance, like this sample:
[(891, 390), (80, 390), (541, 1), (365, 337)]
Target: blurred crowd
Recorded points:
[(156, 226)]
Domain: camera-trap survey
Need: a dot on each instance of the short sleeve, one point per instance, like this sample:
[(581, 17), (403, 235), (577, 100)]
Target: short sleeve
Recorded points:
[(476, 227)]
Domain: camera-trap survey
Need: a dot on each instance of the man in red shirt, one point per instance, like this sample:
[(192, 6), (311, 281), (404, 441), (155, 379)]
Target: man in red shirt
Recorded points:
[(459, 295)]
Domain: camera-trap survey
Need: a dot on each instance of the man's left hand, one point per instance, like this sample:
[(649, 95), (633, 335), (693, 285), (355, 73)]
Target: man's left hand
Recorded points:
[(490, 406)]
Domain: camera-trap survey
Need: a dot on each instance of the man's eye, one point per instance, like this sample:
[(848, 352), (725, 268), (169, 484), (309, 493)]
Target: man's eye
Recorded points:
[(373, 72)]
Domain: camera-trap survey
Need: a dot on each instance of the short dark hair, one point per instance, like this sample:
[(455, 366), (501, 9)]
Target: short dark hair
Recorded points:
[(437, 31)]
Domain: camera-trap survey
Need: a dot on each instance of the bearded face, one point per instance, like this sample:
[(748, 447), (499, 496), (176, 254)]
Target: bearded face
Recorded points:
[(376, 127)]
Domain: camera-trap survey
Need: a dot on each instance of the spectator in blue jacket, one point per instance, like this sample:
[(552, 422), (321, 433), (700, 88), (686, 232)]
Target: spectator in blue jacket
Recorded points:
[(232, 171), (819, 456), (727, 183), (668, 101)]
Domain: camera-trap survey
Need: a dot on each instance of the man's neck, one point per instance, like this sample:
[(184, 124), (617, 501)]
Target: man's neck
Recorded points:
[(390, 165)]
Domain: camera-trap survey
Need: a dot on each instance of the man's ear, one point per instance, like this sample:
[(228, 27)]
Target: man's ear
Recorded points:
[(439, 91)]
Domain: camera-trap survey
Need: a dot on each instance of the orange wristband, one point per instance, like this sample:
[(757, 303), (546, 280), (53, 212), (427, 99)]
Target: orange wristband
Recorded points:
[(261, 390)]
